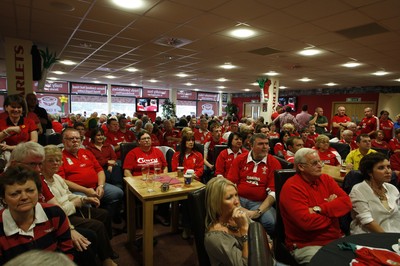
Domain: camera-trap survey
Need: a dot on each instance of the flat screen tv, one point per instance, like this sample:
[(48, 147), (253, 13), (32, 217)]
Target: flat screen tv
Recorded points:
[(288, 101), (146, 105)]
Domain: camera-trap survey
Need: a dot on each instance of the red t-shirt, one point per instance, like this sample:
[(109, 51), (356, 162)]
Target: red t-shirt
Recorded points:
[(279, 147), (383, 145), (339, 119), (394, 144), (136, 158), (26, 124), (387, 128), (193, 161), (107, 153), (225, 159), (353, 144), (313, 136), (82, 169), (202, 137), (253, 179), (57, 126), (171, 143), (309, 143), (155, 141), (114, 139), (328, 157), (369, 124)]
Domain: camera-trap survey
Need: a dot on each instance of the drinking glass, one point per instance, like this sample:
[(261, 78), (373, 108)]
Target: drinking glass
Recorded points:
[(157, 170), (150, 183), (145, 172)]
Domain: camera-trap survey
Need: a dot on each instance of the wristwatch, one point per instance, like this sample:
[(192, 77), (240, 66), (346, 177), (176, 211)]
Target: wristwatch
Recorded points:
[(317, 209), (259, 211), (244, 238)]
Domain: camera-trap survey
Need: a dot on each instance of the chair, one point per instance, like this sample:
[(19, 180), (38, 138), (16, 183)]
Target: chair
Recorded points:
[(342, 148), (282, 254), (284, 164), (54, 139), (259, 251), (168, 153), (218, 149), (272, 143), (196, 201), (125, 148), (386, 152)]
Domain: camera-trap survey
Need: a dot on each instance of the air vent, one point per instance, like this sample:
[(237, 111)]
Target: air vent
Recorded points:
[(264, 51), (362, 31), (172, 42)]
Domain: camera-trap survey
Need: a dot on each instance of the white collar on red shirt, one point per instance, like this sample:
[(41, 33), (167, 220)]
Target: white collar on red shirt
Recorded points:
[(11, 228), (250, 159), (230, 151)]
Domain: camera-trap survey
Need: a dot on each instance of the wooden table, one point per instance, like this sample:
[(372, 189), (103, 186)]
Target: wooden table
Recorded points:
[(333, 171), (136, 188)]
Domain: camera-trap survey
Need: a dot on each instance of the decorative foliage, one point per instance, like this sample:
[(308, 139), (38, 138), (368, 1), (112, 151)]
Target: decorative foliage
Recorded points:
[(48, 59), (231, 109), (63, 100), (168, 109), (263, 82)]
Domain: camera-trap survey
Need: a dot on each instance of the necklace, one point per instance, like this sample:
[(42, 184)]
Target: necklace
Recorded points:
[(233, 228), (381, 196)]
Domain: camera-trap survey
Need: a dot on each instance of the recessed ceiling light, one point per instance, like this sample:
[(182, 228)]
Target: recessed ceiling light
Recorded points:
[(310, 52), (227, 66), (397, 80), (380, 73), (242, 33), (351, 64), (110, 77), (196, 89), (96, 81), (182, 75), (133, 84), (271, 73), (255, 84), (153, 80), (221, 87), (53, 78), (246, 89), (131, 69), (67, 62), (131, 4), (59, 72), (330, 84), (189, 84), (282, 87), (222, 79), (305, 79)]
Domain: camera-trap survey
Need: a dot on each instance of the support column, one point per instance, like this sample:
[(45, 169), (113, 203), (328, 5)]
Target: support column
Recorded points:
[(268, 105)]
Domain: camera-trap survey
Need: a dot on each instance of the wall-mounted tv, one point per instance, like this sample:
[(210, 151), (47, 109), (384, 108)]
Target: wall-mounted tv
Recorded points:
[(146, 105), (288, 101)]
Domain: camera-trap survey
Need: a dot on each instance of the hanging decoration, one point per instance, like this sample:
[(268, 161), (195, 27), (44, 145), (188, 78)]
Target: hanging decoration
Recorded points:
[(264, 83), (63, 101), (48, 59)]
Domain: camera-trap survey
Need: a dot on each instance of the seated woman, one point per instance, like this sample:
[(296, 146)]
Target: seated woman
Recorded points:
[(375, 200), (280, 148), (225, 158), (327, 154), (154, 139), (24, 221), (226, 224), (379, 141), (106, 157), (75, 206)]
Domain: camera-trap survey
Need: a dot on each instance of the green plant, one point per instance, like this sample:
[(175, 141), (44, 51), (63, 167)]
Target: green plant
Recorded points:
[(48, 60), (168, 109), (231, 109)]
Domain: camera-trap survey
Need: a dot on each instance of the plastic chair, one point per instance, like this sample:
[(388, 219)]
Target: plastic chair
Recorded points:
[(259, 251), (168, 153), (217, 150)]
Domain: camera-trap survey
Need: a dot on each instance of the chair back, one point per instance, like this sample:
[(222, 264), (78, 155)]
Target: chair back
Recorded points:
[(259, 251), (218, 149), (284, 164), (168, 153), (196, 200), (54, 139), (282, 254), (342, 148), (126, 147), (386, 152), (272, 143)]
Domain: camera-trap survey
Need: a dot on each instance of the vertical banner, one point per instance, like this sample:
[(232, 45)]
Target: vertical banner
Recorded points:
[(273, 98), (18, 65)]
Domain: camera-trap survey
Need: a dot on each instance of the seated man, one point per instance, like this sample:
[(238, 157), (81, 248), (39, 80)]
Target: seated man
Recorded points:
[(293, 144), (83, 174), (310, 204), (253, 173), (364, 147)]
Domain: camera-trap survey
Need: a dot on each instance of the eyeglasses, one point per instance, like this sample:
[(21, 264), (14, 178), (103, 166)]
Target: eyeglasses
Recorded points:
[(315, 163), (73, 139)]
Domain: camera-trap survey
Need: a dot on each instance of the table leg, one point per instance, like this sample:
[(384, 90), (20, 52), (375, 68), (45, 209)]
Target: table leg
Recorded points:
[(148, 209), (131, 209), (174, 216)]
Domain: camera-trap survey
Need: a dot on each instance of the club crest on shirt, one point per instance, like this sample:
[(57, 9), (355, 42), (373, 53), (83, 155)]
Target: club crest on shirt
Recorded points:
[(69, 161), (245, 168), (85, 157), (264, 170)]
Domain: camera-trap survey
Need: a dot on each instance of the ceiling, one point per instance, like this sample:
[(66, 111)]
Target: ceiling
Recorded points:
[(104, 40)]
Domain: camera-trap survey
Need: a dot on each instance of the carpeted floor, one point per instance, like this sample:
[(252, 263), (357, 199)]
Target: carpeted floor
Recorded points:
[(171, 249)]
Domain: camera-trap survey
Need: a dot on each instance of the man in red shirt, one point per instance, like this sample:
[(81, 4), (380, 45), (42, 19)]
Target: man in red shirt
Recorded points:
[(84, 175), (293, 144), (123, 128), (311, 204), (386, 125), (313, 135), (209, 160), (369, 124), (202, 135), (348, 138), (339, 121), (171, 136), (394, 143), (253, 173), (114, 137)]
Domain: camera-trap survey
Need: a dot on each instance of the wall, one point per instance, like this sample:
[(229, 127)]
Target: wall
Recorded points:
[(389, 102)]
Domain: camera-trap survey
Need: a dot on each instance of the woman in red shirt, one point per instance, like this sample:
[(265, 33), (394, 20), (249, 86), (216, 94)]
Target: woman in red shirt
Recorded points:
[(379, 141), (280, 148)]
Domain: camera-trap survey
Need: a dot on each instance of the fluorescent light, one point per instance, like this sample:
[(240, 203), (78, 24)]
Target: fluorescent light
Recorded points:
[(310, 52), (110, 77), (131, 4), (182, 75), (96, 81), (189, 84), (380, 73), (398, 80), (351, 64), (196, 89), (227, 66), (153, 80), (282, 87), (59, 72), (246, 89), (271, 73), (53, 78), (330, 84), (131, 69), (222, 79), (67, 62), (254, 84), (221, 87), (243, 33), (305, 79)]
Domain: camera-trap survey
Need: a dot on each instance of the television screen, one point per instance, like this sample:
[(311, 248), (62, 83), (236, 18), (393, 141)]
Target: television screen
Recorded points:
[(146, 105), (288, 101)]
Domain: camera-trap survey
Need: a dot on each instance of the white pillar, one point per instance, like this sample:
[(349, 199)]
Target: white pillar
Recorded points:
[(268, 106)]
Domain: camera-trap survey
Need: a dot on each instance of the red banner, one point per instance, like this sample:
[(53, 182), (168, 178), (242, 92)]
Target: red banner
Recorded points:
[(203, 96), (86, 88), (53, 87), (186, 95), (125, 91), (155, 93)]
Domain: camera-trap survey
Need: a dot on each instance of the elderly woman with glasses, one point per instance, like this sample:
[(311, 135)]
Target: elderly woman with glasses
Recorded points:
[(327, 154)]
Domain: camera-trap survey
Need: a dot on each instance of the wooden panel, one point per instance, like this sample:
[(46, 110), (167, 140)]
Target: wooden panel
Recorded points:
[(355, 110)]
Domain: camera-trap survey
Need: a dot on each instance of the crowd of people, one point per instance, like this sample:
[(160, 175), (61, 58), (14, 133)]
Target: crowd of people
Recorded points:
[(83, 177)]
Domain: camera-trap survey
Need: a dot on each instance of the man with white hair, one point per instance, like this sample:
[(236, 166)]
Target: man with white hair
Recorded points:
[(311, 204)]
